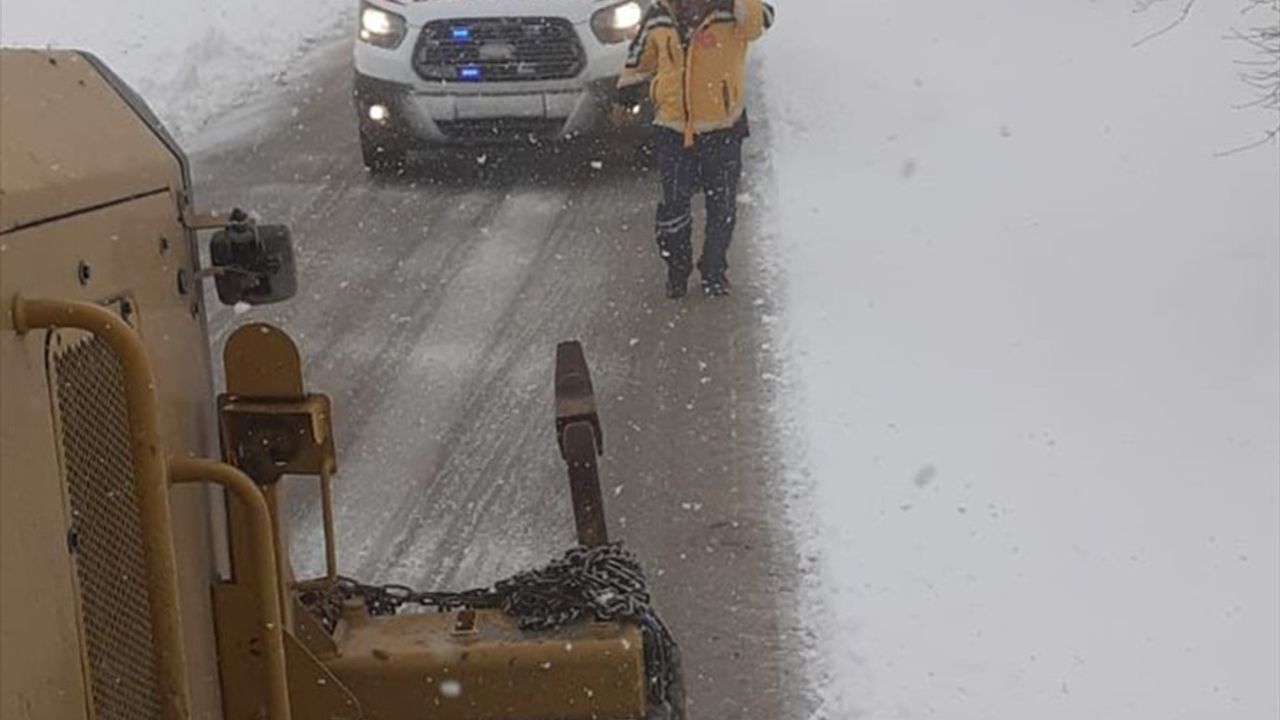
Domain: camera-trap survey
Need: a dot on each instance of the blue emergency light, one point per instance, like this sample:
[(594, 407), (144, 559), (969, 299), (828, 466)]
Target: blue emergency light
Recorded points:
[(462, 34), (469, 72)]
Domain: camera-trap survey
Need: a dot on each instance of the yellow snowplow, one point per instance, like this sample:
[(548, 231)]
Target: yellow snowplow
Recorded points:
[(144, 544)]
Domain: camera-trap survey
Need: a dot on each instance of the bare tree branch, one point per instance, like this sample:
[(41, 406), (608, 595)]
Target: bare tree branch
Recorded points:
[(1267, 137), (1261, 73), (1182, 17)]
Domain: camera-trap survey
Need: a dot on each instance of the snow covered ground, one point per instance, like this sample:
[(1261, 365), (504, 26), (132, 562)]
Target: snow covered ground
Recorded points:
[(1036, 324), (191, 60)]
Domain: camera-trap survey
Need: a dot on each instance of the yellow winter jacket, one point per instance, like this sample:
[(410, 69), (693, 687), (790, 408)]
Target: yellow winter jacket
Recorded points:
[(696, 76)]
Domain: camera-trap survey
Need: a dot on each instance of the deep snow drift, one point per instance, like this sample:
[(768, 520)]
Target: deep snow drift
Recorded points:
[(191, 60), (1036, 322)]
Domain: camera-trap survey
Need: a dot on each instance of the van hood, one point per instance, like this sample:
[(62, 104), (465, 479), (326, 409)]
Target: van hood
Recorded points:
[(419, 12)]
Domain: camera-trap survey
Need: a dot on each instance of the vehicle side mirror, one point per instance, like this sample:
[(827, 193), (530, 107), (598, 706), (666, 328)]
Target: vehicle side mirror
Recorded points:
[(253, 263)]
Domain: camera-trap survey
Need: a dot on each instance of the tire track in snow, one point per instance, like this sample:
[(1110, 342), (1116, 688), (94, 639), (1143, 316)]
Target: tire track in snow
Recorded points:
[(503, 497), (441, 366)]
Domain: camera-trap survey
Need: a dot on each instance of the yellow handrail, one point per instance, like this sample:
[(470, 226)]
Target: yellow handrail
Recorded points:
[(193, 470), (150, 476)]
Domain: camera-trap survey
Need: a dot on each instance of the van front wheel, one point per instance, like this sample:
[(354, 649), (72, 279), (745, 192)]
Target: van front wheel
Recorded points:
[(382, 156)]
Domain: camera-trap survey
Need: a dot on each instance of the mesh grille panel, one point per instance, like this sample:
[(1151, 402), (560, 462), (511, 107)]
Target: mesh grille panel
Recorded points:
[(526, 130), (107, 530)]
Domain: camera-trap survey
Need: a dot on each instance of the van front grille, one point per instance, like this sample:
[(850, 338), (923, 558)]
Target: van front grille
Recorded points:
[(499, 50)]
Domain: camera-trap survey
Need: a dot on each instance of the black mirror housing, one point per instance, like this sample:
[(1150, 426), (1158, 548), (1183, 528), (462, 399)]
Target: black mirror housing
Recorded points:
[(254, 263)]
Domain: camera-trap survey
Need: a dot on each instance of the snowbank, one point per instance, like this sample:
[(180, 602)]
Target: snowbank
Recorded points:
[(1036, 320), (191, 60)]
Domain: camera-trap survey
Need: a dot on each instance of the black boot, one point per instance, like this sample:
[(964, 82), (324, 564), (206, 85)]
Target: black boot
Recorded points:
[(715, 285)]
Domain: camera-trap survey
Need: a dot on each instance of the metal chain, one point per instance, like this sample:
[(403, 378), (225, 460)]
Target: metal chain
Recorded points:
[(605, 582)]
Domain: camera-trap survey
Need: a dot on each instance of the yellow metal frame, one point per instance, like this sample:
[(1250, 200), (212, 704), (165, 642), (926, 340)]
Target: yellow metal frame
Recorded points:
[(194, 470), (399, 666), (374, 664), (151, 477), (154, 473)]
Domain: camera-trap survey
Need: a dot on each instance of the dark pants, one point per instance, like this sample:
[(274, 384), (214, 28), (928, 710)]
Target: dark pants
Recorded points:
[(715, 164)]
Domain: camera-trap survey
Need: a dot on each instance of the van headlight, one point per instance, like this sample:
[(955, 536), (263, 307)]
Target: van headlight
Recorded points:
[(617, 23), (381, 28)]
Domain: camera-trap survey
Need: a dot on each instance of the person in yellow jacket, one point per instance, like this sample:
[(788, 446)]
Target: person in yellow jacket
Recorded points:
[(691, 57)]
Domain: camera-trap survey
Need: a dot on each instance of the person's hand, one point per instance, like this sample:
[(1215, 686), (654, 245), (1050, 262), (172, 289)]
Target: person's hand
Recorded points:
[(626, 101)]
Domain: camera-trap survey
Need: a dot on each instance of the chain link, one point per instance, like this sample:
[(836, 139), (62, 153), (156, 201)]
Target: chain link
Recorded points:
[(605, 582)]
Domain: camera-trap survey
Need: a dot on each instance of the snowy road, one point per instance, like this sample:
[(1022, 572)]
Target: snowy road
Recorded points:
[(430, 309)]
